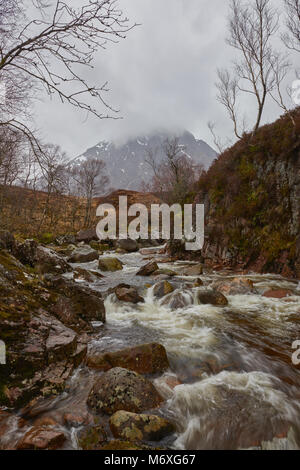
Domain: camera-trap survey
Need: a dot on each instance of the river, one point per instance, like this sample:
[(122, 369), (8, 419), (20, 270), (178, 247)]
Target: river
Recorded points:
[(232, 383)]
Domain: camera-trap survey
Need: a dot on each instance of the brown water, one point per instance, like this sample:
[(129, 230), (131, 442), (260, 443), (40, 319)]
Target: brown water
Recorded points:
[(239, 387)]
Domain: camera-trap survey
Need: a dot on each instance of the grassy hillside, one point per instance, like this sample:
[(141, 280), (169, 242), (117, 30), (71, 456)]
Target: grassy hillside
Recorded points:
[(253, 194)]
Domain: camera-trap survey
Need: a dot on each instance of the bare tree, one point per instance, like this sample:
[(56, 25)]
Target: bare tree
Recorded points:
[(53, 179), (50, 51), (175, 175), (91, 178), (252, 27), (292, 37), (216, 139)]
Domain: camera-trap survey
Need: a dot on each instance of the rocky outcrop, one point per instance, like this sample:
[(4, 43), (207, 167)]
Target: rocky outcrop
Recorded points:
[(121, 389), (252, 199), (140, 427), (143, 359), (43, 259), (74, 304), (43, 348)]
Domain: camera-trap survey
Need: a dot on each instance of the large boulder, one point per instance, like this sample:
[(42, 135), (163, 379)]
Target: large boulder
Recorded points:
[(148, 269), (128, 245), (238, 285), (139, 427), (87, 236), (42, 438), (110, 264), (84, 254), (128, 294), (74, 304), (122, 389), (162, 288), (143, 359), (212, 297)]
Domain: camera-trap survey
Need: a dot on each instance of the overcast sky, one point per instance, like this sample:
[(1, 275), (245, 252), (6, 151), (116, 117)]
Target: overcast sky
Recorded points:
[(161, 76)]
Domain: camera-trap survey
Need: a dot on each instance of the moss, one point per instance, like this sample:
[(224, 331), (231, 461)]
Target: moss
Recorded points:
[(46, 238)]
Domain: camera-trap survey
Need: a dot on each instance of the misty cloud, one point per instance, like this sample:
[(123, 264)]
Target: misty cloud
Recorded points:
[(161, 77)]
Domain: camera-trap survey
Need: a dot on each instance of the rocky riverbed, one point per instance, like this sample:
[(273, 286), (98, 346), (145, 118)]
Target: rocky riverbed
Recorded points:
[(125, 348)]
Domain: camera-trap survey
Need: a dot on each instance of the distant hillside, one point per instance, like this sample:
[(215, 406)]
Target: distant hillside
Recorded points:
[(126, 164), (252, 198)]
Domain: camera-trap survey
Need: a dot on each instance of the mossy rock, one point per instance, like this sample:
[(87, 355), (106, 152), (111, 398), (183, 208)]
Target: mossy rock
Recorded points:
[(110, 264), (140, 427)]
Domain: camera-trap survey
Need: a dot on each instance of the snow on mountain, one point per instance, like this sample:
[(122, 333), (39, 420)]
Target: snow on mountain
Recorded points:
[(126, 165)]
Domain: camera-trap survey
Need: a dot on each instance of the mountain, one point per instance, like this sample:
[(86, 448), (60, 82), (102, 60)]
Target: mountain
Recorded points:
[(126, 164)]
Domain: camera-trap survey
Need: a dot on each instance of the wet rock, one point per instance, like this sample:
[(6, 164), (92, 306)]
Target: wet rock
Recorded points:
[(148, 269), (92, 437), (212, 297), (235, 286), (143, 359), (195, 270), (75, 305), (110, 264), (42, 438), (83, 254), (139, 427), (165, 272), (128, 294), (87, 236), (278, 294), (162, 288), (7, 241), (121, 389), (128, 245), (178, 300)]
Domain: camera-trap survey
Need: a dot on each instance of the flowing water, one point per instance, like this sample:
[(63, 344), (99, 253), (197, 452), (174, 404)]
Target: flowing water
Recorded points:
[(232, 383)]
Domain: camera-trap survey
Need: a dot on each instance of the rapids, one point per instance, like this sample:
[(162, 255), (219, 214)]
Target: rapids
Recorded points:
[(235, 383)]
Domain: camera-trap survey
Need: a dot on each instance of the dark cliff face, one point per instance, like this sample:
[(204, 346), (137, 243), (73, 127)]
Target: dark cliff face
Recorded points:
[(252, 199)]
